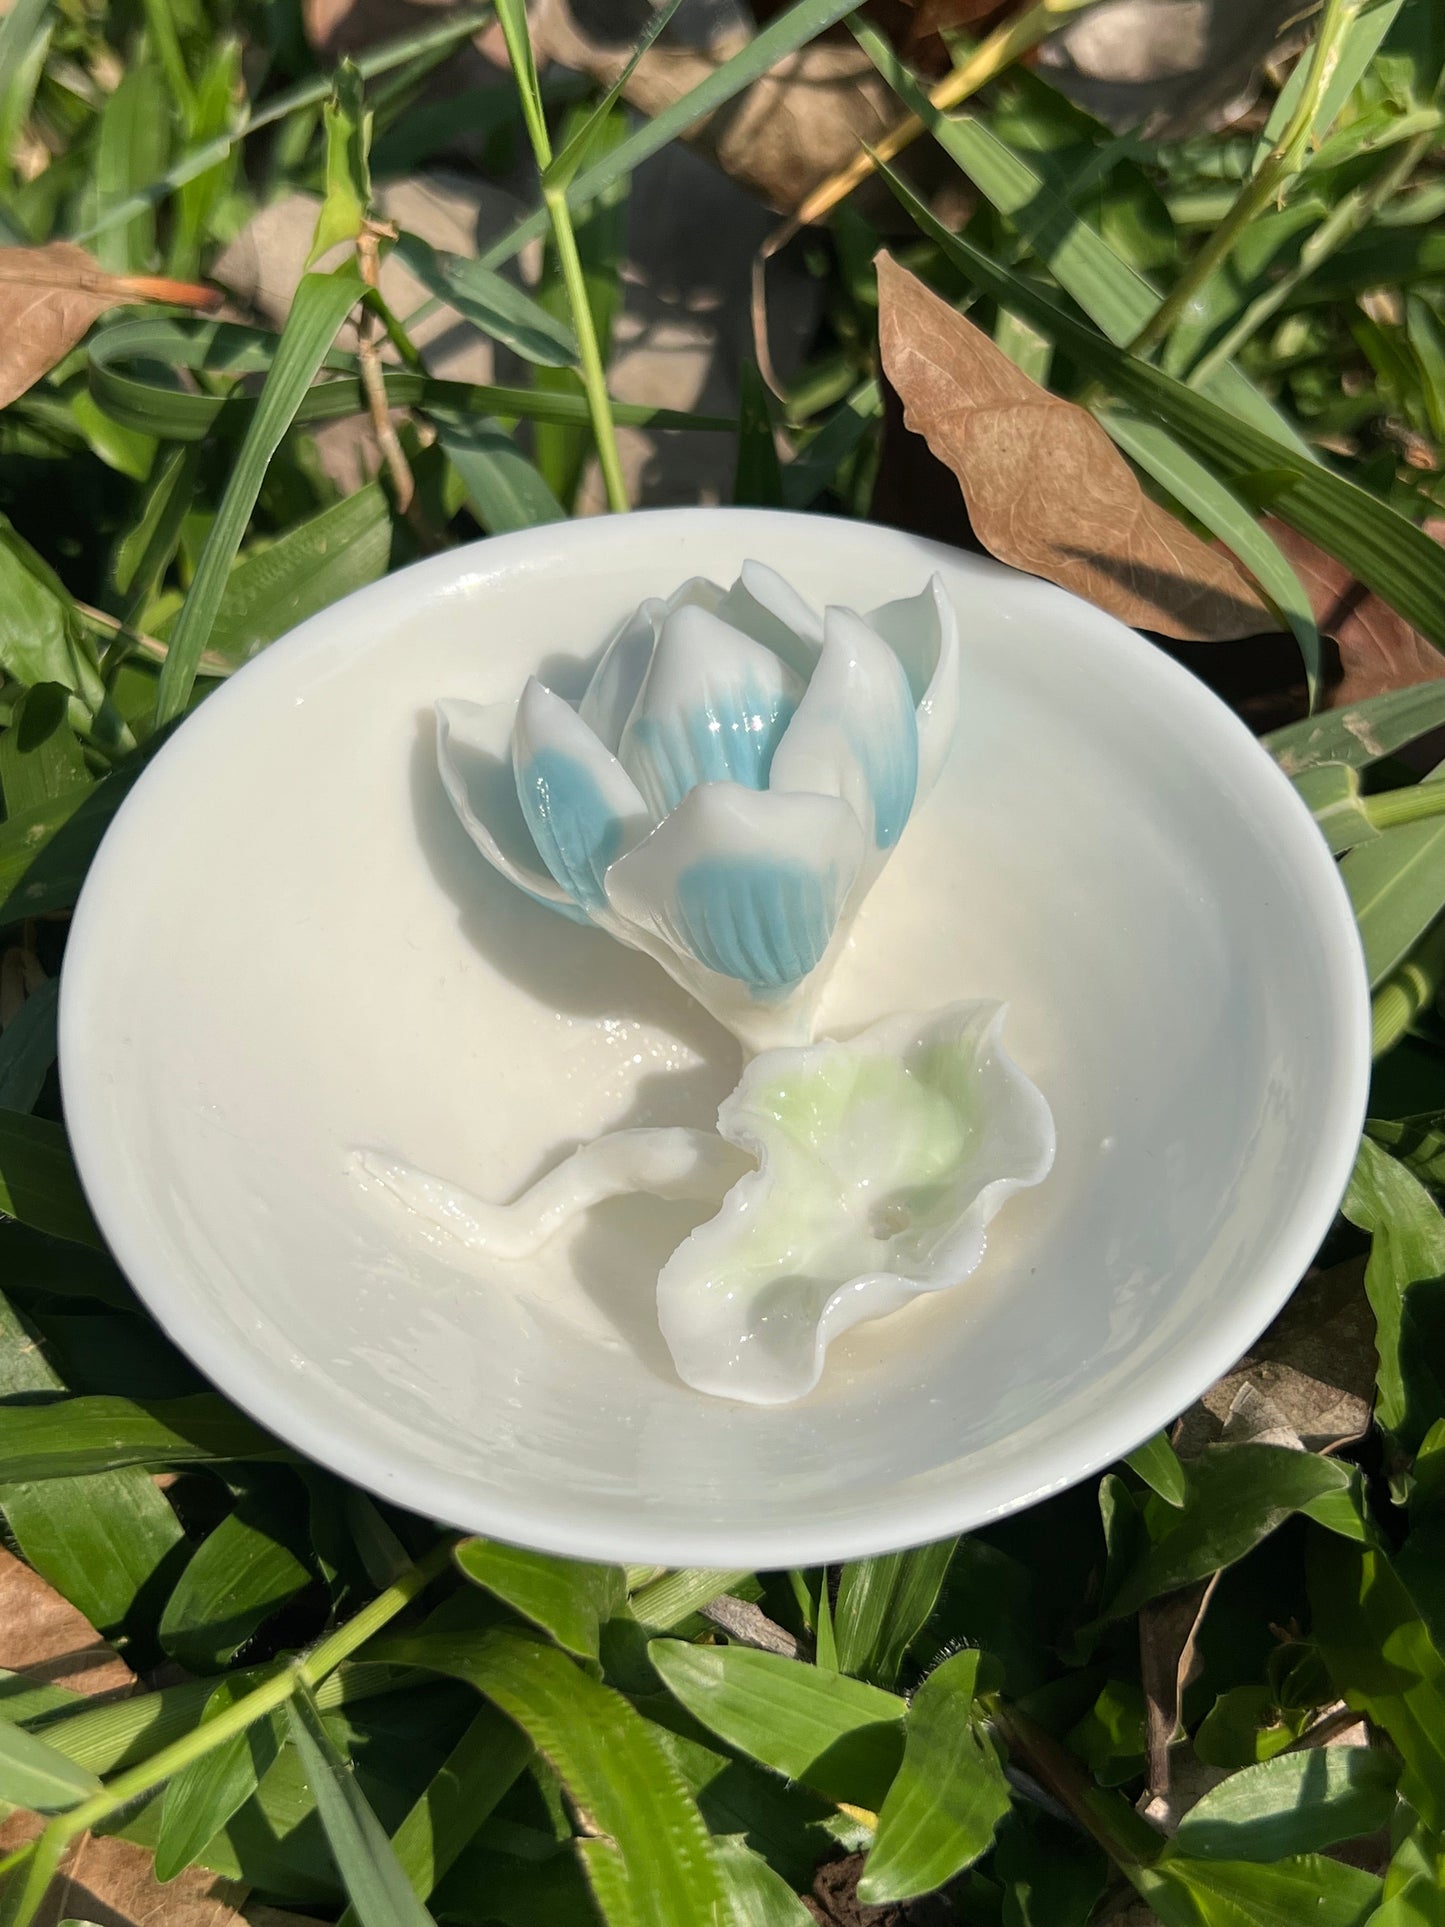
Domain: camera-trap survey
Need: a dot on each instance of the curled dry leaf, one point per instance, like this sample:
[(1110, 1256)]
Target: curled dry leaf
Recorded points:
[(1376, 649), (1168, 1656), (1046, 489), (49, 296)]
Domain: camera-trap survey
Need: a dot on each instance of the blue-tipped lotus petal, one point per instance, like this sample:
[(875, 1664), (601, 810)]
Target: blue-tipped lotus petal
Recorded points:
[(582, 808), (749, 885), (761, 919), (712, 710), (475, 759)]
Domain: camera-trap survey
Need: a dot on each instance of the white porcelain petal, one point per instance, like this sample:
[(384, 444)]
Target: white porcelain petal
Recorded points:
[(712, 709), (881, 1161), (923, 632), (608, 699), (855, 734), (771, 611), (581, 806), (474, 756), (745, 884)]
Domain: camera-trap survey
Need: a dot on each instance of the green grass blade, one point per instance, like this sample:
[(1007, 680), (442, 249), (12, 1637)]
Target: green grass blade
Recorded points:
[(315, 563), (758, 480), (1223, 514), (883, 1605), (503, 487), (491, 304), (1238, 1495), (1407, 1249), (800, 23), (834, 1733), (172, 414), (1298, 1803), (370, 1871), (203, 1796), (949, 1795), (307, 93), (670, 1600), (46, 851), (34, 1775), (1388, 554), (106, 1542), (606, 1756), (1396, 882), (29, 1045), (1382, 1661), (321, 304), (18, 27), (582, 142), (73, 1436), (1360, 45), (1157, 1464), (38, 1184), (1360, 734), (238, 1576), (567, 1598), (806, 477), (457, 1801), (1115, 296)]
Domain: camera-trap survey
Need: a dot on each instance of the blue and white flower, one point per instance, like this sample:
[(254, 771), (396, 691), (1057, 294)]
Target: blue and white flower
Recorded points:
[(732, 781)]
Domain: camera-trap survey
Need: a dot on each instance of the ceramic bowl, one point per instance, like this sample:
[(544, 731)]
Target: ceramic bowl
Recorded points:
[(287, 949)]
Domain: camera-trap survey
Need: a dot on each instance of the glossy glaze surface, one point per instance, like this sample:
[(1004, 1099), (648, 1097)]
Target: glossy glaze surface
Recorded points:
[(289, 947)]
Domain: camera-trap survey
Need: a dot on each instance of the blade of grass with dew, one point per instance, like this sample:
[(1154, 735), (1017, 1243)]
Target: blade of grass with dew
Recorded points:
[(1388, 554), (321, 304)]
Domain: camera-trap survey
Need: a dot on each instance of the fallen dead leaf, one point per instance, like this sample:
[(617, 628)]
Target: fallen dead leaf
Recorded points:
[(1168, 1654), (50, 295), (105, 1882), (44, 1637), (1308, 1381), (1045, 488), (1377, 649)]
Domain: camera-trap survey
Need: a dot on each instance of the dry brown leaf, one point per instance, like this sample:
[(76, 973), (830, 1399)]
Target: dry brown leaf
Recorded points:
[(1168, 1654), (1378, 650), (44, 1637), (50, 295), (109, 1882), (1310, 1376), (1046, 489)]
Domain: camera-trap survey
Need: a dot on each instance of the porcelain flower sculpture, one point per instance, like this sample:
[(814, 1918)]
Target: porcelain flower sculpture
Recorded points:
[(730, 784)]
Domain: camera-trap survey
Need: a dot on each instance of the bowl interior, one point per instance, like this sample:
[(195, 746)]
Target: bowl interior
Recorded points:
[(288, 950)]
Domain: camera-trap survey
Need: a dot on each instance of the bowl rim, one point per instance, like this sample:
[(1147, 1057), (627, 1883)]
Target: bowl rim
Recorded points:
[(894, 1519)]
